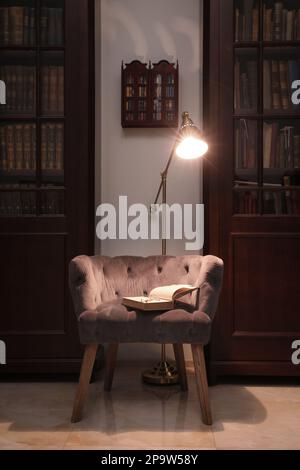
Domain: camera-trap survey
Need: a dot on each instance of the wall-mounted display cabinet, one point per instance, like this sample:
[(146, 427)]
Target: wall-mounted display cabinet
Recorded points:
[(149, 94)]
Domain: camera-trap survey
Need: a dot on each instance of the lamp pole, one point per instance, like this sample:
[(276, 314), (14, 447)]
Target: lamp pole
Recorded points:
[(164, 373)]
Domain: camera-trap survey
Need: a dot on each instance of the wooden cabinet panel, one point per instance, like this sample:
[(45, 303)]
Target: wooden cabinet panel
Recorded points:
[(33, 280), (266, 294)]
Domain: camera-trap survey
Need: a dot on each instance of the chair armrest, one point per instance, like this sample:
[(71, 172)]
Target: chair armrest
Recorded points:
[(84, 289), (210, 282)]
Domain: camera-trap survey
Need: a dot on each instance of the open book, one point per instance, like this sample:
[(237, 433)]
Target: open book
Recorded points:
[(160, 298)]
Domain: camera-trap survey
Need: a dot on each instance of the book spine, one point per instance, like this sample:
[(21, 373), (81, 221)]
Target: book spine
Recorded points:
[(252, 82), (284, 87), (284, 24), (27, 147), (53, 89), (255, 24), (8, 81), (59, 147), (267, 85), (33, 147), (16, 15), (10, 147), (13, 88), (59, 39), (296, 151), (30, 90), (44, 25), (51, 146), (19, 88), (237, 16), (268, 25), (44, 147), (60, 86), (3, 149), (51, 26), (275, 131), (267, 144), (289, 25), (277, 26), (26, 26), (276, 97), (32, 26), (45, 89), (18, 147)]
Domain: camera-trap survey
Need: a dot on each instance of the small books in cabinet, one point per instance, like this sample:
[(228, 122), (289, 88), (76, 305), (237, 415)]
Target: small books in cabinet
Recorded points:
[(150, 94)]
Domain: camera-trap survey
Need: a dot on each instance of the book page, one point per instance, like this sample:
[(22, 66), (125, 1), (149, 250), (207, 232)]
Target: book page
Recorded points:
[(144, 300), (168, 292)]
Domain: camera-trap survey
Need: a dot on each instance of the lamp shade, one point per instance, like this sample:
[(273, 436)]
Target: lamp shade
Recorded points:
[(191, 145)]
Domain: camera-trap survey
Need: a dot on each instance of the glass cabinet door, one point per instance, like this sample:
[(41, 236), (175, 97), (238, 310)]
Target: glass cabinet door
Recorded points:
[(32, 125), (267, 108)]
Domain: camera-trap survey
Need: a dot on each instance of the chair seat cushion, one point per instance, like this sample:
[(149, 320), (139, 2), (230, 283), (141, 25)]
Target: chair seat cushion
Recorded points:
[(112, 322)]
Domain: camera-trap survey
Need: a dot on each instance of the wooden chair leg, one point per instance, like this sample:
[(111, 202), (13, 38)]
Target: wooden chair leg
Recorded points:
[(110, 365), (201, 382), (180, 362), (84, 380)]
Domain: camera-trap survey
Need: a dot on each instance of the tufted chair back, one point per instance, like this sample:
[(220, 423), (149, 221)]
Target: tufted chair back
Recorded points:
[(99, 279)]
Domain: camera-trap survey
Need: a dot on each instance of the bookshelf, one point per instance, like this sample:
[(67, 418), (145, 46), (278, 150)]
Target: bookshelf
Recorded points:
[(253, 182), (46, 176), (32, 121), (150, 94)]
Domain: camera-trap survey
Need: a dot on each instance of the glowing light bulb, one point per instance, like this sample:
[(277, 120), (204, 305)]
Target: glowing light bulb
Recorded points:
[(191, 148)]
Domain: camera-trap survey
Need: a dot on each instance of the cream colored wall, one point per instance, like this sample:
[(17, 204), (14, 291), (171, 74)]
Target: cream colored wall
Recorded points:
[(129, 161)]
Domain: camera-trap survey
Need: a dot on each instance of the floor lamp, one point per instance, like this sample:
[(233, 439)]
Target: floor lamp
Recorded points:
[(188, 145)]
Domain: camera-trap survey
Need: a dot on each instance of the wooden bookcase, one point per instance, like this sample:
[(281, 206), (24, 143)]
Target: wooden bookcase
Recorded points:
[(252, 181), (46, 176), (150, 94)]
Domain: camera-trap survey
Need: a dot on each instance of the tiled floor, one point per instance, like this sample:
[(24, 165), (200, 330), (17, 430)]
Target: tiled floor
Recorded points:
[(135, 416)]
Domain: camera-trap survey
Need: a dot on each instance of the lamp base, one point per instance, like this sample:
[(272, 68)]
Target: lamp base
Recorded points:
[(162, 374)]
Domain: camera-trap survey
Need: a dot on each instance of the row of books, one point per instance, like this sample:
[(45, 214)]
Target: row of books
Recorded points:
[(52, 146), (245, 144), (282, 202), (274, 202), (52, 26), (246, 202), (53, 89), (18, 203), (280, 23), (281, 146), (278, 78), (245, 90), (17, 25), (18, 147), (247, 21), (20, 83)]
